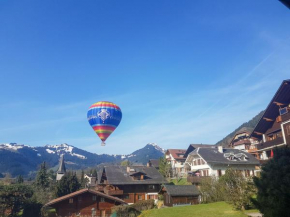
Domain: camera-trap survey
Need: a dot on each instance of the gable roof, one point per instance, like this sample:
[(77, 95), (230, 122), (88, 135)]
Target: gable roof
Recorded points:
[(192, 147), (272, 111), (176, 152), (154, 162), (57, 200), (118, 175), (214, 156), (182, 190)]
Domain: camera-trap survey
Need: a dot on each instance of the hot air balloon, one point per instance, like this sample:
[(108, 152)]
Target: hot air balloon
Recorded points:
[(104, 117)]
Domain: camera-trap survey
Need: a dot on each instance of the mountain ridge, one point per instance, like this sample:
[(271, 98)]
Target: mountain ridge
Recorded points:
[(20, 159)]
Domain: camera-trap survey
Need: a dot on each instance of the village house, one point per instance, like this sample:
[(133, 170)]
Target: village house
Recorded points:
[(242, 141), (273, 129), (91, 179), (214, 162), (176, 195), (176, 159), (131, 183), (85, 202), (190, 149)]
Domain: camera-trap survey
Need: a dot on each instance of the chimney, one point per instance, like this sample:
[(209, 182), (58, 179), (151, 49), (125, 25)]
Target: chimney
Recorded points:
[(128, 169), (149, 164), (220, 149)]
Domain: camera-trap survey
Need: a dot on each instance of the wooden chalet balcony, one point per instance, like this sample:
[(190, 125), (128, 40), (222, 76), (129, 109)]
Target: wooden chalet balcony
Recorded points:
[(196, 179), (278, 141), (286, 117), (113, 192)]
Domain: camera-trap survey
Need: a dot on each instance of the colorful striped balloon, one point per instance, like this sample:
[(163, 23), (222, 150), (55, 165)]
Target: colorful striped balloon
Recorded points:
[(104, 117)]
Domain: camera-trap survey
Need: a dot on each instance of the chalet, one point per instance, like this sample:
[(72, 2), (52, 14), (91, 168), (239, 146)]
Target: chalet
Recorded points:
[(214, 162), (91, 179), (192, 147), (61, 169), (244, 142), (176, 159), (273, 129), (174, 195), (85, 202), (132, 183)]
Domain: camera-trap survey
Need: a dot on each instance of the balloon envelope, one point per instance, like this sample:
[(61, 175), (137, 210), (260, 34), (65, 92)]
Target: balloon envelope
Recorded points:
[(104, 117)]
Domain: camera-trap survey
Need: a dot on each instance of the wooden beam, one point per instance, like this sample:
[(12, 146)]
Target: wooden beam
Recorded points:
[(278, 103), (268, 119), (258, 133)]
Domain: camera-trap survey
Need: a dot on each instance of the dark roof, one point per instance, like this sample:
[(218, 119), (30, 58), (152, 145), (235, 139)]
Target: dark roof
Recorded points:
[(176, 152), (272, 111), (61, 168), (57, 200), (286, 3), (154, 162), (182, 190), (214, 156), (118, 175), (192, 147)]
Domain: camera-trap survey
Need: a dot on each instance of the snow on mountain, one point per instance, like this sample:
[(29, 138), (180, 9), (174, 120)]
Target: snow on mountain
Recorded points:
[(63, 148), (157, 147), (11, 146), (26, 159)]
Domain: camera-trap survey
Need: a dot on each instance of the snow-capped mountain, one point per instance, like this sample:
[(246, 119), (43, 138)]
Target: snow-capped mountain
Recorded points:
[(19, 159)]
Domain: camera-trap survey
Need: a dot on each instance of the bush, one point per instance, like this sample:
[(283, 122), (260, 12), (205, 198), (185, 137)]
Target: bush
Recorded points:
[(135, 209), (273, 196)]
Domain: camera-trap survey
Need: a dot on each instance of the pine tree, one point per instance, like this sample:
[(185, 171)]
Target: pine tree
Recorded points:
[(273, 185), (164, 167), (95, 173), (19, 179), (83, 178), (42, 177), (68, 184)]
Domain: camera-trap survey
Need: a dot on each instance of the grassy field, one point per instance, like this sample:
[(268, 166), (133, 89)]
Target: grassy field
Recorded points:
[(219, 209)]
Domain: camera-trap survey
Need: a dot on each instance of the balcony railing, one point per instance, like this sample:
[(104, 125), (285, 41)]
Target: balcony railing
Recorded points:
[(286, 116), (196, 179), (113, 192), (277, 141)]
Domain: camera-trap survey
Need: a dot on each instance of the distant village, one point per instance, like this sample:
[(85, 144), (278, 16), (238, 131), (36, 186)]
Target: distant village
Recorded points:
[(115, 185)]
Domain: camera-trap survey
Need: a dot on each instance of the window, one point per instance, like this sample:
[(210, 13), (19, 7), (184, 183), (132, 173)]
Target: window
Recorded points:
[(139, 197), (79, 198), (150, 197), (71, 200), (102, 199), (94, 197), (126, 196), (151, 187)]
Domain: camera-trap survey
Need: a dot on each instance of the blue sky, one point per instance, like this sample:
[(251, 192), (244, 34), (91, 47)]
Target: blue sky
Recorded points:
[(182, 71)]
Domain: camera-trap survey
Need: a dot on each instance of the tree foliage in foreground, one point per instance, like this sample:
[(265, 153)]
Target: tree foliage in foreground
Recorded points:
[(273, 196), (69, 183), (232, 187), (165, 167), (14, 198), (238, 189)]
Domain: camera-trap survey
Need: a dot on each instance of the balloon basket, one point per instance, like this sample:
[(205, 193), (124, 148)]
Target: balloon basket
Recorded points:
[(103, 144)]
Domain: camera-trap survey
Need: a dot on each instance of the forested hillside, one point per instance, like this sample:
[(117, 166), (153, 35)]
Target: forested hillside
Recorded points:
[(249, 126)]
